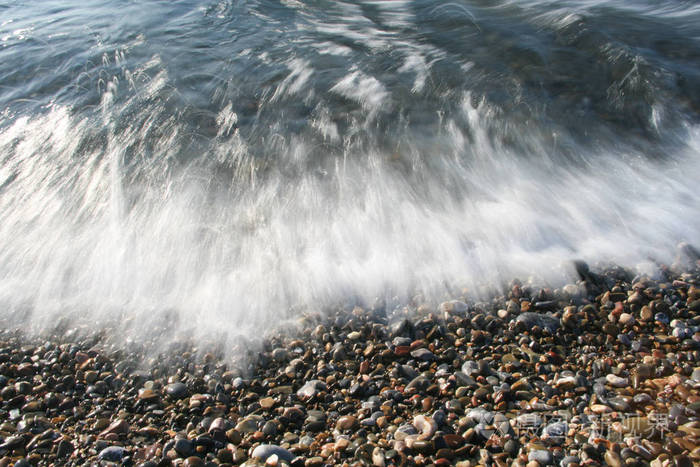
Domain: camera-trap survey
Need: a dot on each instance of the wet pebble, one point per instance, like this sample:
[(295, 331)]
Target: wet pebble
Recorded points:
[(176, 390), (264, 451)]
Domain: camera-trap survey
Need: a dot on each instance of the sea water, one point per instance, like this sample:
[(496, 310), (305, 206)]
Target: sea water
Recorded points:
[(228, 165)]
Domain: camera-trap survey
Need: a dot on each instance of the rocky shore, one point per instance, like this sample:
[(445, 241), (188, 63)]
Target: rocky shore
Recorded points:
[(604, 371)]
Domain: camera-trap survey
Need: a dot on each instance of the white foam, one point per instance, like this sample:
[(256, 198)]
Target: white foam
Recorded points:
[(233, 260), (365, 90)]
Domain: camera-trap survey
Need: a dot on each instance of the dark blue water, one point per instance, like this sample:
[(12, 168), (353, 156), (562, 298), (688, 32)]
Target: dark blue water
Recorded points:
[(228, 160)]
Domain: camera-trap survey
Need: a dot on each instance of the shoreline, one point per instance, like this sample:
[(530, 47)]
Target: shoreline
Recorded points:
[(601, 372)]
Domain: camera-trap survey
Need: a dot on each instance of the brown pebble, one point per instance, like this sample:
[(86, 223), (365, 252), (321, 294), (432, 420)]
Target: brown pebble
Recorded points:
[(346, 422)]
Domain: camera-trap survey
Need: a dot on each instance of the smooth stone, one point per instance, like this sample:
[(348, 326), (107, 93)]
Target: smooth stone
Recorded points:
[(541, 456), (112, 453), (423, 354), (479, 415), (637, 425), (405, 430), (511, 447), (346, 422), (311, 388), (616, 381), (695, 375), (147, 395), (482, 393), (470, 367), (408, 372), (465, 381), (626, 319), (420, 383), (280, 354), (624, 339), (248, 424), (401, 341), (612, 458), (264, 451), (528, 420), (355, 335), (176, 390), (555, 431), (521, 385), (642, 398), (269, 428), (661, 317), (621, 404), (566, 382), (184, 447), (116, 427), (267, 403)]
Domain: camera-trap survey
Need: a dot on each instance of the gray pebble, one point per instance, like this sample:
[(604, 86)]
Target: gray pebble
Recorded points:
[(266, 450)]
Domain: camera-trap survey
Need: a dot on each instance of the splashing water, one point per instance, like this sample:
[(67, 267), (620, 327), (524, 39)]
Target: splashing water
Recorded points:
[(219, 163)]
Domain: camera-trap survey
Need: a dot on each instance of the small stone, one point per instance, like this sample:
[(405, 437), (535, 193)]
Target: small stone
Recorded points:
[(269, 428), (423, 354), (599, 409), (620, 404), (184, 447), (541, 456), (267, 403), (354, 336), (695, 376), (176, 390), (248, 425), (566, 382), (91, 376), (311, 388), (612, 458), (112, 453), (64, 448), (637, 425), (264, 451), (521, 385), (626, 319), (116, 427), (147, 395), (346, 422), (280, 355), (556, 431), (616, 381)]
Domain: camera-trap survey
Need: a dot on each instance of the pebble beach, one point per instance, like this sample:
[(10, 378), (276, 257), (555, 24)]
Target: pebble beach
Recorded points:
[(602, 371)]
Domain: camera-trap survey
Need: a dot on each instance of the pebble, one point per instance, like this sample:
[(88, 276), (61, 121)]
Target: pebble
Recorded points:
[(616, 381), (176, 390), (184, 447), (346, 422), (112, 453), (264, 451), (541, 456), (311, 388)]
